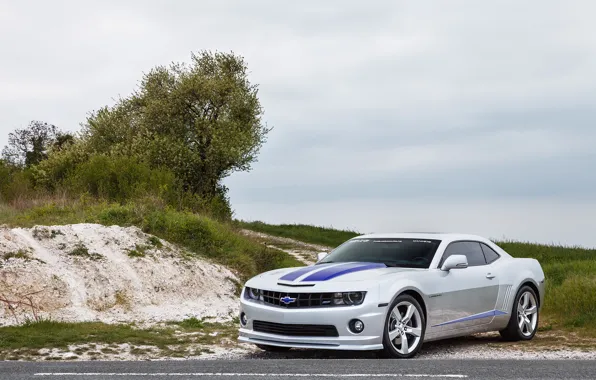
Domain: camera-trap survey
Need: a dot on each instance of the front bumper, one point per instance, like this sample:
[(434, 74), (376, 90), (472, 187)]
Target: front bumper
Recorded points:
[(371, 338)]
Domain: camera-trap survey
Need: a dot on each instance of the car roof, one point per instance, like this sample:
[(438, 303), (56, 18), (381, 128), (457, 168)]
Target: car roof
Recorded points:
[(445, 236)]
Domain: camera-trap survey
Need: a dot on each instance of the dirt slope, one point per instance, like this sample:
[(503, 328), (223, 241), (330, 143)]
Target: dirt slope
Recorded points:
[(304, 252), (86, 272)]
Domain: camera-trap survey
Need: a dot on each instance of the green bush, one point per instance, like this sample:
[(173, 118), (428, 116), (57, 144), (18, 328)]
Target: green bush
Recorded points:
[(74, 173), (15, 183), (119, 179), (50, 174)]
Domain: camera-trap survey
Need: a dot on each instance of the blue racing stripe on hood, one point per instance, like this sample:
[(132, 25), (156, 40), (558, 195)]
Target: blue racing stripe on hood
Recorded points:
[(329, 273), (299, 272)]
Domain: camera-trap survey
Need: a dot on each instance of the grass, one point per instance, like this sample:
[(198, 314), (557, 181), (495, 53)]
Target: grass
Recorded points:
[(570, 281), (190, 323), (60, 335), (570, 272), (139, 251), (28, 339), (41, 233), (20, 254), (302, 232), (200, 235), (155, 242), (81, 251), (6, 212)]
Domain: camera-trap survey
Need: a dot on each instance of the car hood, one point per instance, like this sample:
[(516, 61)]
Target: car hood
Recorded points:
[(323, 275)]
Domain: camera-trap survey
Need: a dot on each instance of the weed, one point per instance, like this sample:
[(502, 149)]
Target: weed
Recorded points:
[(55, 233), (81, 251), (154, 241), (121, 299), (237, 286), (139, 251), (20, 254), (41, 233), (192, 323)]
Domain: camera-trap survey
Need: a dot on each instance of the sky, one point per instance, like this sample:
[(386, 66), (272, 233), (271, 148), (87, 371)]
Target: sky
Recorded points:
[(388, 116)]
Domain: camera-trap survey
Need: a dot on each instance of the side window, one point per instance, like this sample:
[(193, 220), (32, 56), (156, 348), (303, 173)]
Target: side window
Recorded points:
[(470, 249), (489, 253)]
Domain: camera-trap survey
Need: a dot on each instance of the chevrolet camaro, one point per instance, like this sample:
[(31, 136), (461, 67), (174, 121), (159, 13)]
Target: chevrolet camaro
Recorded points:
[(391, 293)]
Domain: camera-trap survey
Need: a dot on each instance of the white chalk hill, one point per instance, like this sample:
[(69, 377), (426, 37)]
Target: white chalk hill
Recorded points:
[(91, 272)]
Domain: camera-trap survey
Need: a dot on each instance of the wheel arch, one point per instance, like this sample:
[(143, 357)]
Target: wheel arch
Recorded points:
[(525, 271), (417, 295), (534, 287)]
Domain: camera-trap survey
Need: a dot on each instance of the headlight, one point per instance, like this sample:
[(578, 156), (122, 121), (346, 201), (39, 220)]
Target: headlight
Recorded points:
[(349, 298), (253, 293)]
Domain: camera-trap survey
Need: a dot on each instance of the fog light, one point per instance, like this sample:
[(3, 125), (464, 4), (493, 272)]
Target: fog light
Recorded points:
[(243, 319), (356, 326)]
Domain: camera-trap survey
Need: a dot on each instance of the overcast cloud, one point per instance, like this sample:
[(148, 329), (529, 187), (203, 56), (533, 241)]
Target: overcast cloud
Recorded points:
[(461, 116)]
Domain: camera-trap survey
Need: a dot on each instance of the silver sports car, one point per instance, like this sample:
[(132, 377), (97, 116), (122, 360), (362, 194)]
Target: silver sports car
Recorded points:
[(392, 292)]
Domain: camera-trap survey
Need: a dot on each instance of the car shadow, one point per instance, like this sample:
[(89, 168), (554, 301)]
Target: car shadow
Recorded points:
[(429, 349)]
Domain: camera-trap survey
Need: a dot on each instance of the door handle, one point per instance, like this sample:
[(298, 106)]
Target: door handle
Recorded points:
[(490, 276)]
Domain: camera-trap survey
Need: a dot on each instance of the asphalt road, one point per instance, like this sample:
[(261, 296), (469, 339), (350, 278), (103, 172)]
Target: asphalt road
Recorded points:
[(302, 368)]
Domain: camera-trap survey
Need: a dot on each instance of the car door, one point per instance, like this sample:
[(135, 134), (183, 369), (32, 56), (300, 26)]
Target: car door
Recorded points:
[(468, 295)]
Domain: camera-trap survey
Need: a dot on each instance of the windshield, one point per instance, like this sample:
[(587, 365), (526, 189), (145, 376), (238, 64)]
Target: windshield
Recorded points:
[(409, 253)]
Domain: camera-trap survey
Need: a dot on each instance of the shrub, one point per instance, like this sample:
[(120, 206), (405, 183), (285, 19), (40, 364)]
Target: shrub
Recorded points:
[(119, 179), (15, 183)]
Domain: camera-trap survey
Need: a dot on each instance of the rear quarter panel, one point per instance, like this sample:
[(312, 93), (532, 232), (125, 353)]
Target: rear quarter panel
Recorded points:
[(512, 274)]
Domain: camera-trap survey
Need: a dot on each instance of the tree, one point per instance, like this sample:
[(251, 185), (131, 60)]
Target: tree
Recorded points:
[(29, 146), (202, 121)]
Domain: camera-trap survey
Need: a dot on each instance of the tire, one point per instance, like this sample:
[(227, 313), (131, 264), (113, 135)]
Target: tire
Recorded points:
[(527, 316), (412, 331), (268, 348)]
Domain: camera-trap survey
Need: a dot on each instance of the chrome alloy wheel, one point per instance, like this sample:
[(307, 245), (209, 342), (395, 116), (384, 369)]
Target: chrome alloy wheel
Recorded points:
[(527, 313), (405, 327)]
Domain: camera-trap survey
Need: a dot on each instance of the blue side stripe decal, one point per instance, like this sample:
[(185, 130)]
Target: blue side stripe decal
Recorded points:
[(299, 272), (486, 314), (329, 273)]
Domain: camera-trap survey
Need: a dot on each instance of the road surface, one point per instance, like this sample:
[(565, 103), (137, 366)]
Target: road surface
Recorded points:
[(353, 369)]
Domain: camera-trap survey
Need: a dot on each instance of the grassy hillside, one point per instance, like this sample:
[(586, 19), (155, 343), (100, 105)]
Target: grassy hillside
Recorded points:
[(201, 235), (302, 232), (570, 271)]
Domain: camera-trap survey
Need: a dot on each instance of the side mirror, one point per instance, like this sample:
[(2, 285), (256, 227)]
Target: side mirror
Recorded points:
[(455, 262), (321, 256)]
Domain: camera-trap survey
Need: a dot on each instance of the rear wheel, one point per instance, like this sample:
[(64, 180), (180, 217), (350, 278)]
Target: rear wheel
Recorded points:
[(524, 316), (404, 328), (268, 348)]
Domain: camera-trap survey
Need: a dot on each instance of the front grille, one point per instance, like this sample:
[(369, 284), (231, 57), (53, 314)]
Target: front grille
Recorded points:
[(302, 299), (294, 330)]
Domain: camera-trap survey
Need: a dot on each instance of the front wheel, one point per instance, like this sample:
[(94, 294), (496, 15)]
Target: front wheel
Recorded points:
[(404, 328), (524, 316)]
